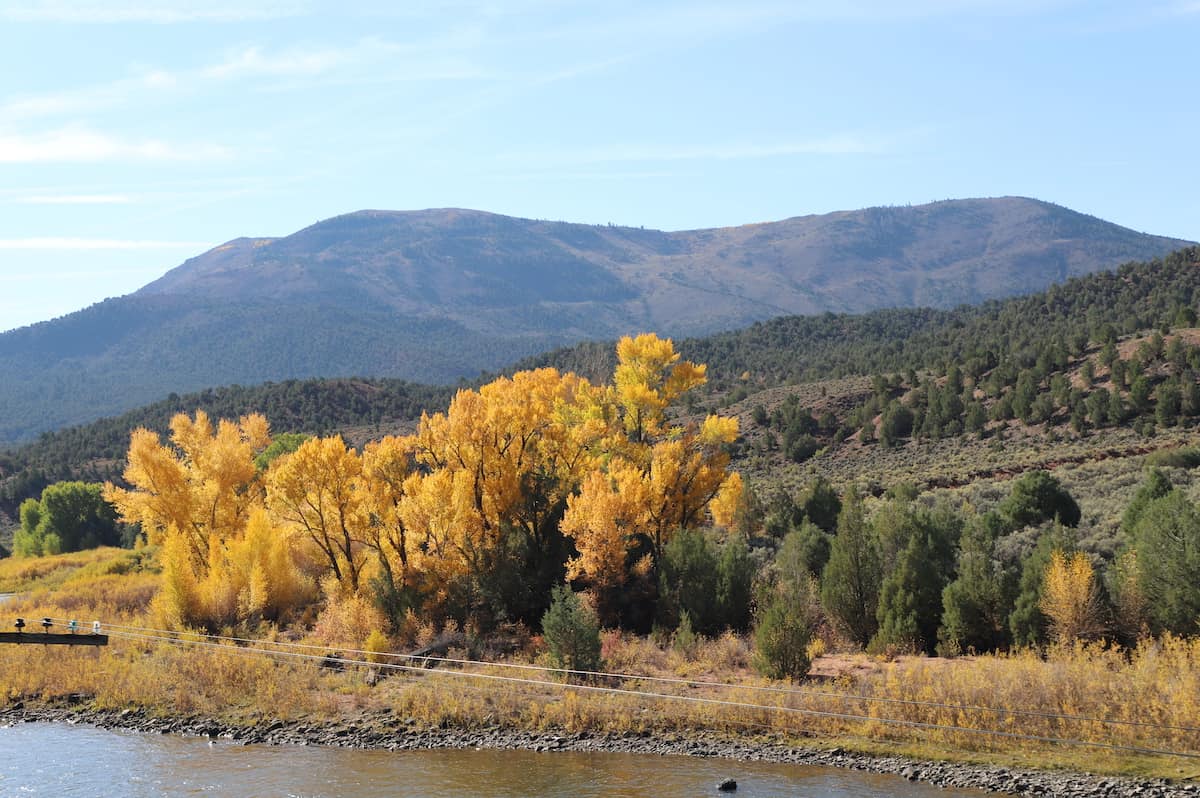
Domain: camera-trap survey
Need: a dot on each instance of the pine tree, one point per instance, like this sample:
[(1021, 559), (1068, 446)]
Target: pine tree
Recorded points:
[(572, 632), (786, 619), (977, 603), (910, 598), (851, 579), (1166, 537)]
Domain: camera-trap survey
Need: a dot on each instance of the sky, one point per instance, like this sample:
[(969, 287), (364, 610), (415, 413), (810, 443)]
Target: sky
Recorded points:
[(135, 134)]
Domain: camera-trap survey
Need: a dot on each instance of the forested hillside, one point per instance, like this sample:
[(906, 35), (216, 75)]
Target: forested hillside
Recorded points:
[(794, 349), (1024, 361), (440, 295), (96, 451)]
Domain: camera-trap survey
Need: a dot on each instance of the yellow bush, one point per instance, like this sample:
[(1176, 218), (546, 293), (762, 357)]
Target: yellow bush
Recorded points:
[(377, 643), (348, 620)]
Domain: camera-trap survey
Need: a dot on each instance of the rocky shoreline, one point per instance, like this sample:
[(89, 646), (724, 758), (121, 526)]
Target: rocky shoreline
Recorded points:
[(382, 729)]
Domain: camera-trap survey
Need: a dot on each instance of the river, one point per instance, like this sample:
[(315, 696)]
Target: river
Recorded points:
[(63, 760)]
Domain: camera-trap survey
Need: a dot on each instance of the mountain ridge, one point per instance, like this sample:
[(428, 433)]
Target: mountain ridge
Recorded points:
[(443, 294), (824, 360)]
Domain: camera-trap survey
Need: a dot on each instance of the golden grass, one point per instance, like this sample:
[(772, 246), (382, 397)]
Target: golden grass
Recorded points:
[(19, 575), (1156, 684)]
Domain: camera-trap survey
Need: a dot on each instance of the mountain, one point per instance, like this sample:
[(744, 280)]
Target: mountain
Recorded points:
[(440, 295), (822, 361)]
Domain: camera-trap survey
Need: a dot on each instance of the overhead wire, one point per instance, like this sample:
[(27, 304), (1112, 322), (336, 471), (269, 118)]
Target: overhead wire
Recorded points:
[(698, 700), (797, 691)]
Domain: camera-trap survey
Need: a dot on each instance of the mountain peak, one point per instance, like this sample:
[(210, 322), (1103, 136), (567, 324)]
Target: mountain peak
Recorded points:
[(443, 293)]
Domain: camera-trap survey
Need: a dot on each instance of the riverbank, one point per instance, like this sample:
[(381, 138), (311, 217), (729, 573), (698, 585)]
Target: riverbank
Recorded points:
[(383, 729)]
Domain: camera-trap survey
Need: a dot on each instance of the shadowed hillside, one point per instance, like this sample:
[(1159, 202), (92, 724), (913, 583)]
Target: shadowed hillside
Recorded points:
[(440, 295)]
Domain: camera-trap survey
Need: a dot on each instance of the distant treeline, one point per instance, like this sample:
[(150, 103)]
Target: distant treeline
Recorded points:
[(96, 452)]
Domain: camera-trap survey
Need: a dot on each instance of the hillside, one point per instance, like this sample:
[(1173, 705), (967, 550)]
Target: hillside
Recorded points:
[(440, 295), (819, 369)]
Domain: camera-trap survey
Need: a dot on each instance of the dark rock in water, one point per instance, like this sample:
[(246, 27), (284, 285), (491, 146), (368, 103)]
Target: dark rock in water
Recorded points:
[(729, 785)]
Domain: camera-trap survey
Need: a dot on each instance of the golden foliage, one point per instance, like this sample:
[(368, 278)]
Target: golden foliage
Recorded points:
[(203, 486), (603, 518), (386, 467), (659, 478), (649, 377), (1071, 598), (349, 619), (317, 492), (425, 511)]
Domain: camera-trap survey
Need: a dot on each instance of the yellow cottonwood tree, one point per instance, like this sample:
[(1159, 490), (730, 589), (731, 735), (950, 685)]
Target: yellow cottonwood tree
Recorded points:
[(505, 457), (203, 486), (648, 378), (1071, 598), (662, 477), (604, 518), (317, 491), (386, 467), (224, 561)]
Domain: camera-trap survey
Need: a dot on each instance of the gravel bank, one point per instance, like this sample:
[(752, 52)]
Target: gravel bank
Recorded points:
[(383, 729)]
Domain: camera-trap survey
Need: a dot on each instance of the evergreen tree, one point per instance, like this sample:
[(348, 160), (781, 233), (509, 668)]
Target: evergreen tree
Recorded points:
[(735, 577), (572, 632), (976, 605), (1190, 394), (688, 582), (1168, 401), (1023, 396), (820, 504), (1116, 408), (786, 619), (975, 418), (1097, 405), (804, 550), (1139, 395), (1154, 486), (910, 598), (897, 423), (1037, 497), (1119, 374), (1166, 537), (1108, 354), (851, 579)]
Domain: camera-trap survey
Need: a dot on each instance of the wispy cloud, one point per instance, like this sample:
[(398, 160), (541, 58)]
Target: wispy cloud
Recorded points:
[(633, 153), (691, 21), (89, 98), (149, 11), (367, 60), (252, 61), (76, 199), (70, 145), (1184, 8), (67, 244)]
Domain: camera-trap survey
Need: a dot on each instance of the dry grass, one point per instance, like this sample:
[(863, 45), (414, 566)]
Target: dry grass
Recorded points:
[(1158, 684), (20, 575)]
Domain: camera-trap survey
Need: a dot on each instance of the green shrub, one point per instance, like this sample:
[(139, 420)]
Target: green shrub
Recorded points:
[(784, 631), (1185, 457), (572, 632)]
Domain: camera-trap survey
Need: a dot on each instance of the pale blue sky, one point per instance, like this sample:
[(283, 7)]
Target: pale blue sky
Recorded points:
[(137, 133)]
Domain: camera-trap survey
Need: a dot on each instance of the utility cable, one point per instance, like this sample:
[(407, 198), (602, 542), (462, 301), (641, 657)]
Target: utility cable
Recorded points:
[(685, 682), (665, 696)]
